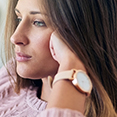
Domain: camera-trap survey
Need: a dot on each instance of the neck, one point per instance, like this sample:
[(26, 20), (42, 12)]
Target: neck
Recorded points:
[(45, 89)]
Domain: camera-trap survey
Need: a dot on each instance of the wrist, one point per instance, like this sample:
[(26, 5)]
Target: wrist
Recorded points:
[(65, 95), (79, 79)]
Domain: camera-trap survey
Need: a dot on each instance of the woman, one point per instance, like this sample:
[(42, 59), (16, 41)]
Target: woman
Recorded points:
[(89, 30), (35, 62)]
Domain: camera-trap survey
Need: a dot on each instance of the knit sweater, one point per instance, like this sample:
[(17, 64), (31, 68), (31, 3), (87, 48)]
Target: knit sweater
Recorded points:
[(26, 104)]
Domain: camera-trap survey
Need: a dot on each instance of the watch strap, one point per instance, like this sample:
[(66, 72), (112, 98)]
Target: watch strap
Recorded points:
[(64, 75)]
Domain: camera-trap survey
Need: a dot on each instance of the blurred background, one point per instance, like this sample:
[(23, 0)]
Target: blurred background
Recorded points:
[(3, 9)]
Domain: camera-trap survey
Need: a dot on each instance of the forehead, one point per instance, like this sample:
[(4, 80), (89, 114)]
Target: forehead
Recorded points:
[(28, 5)]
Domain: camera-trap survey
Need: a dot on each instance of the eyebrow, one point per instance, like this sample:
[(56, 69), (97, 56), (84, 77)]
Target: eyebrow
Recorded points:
[(31, 12), (17, 10), (35, 12)]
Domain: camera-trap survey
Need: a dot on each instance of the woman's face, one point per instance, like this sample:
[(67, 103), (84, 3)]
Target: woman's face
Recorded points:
[(31, 40)]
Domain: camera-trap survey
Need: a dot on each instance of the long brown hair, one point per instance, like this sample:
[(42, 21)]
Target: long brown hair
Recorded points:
[(11, 24), (89, 28)]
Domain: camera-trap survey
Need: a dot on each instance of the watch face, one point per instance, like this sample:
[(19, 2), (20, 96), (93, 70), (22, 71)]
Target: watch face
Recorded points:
[(83, 81)]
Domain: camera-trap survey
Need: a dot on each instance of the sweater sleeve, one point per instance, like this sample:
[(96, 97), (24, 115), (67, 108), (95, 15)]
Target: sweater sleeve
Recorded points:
[(57, 112)]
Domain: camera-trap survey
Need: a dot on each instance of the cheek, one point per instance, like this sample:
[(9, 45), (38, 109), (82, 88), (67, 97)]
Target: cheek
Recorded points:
[(42, 42)]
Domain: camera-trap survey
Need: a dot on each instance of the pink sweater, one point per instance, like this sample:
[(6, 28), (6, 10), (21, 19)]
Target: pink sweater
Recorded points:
[(26, 104)]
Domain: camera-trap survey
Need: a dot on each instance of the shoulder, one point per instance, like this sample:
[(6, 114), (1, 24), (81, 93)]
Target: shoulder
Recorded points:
[(5, 78), (7, 94), (6, 72), (8, 97), (57, 112), (24, 104)]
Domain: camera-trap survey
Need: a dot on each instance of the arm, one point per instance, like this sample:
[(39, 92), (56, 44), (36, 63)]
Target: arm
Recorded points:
[(65, 100), (64, 94)]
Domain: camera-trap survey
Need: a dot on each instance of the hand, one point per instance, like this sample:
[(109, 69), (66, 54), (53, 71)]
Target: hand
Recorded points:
[(58, 48), (63, 55)]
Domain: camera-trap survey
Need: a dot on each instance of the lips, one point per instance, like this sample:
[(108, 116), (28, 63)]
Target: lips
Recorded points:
[(21, 57)]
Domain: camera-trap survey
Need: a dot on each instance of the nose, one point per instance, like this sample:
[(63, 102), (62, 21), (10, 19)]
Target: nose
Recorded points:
[(20, 36)]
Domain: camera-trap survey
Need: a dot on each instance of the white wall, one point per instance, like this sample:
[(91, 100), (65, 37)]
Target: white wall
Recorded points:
[(3, 7)]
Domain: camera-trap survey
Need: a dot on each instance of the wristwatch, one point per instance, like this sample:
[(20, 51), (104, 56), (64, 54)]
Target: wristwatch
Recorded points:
[(79, 79)]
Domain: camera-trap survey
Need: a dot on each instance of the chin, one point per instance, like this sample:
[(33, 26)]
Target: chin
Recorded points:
[(27, 74), (30, 73)]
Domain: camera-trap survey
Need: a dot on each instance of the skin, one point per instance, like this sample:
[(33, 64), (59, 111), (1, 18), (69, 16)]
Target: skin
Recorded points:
[(31, 38)]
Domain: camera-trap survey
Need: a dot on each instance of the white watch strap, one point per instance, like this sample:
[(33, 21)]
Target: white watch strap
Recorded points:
[(64, 75)]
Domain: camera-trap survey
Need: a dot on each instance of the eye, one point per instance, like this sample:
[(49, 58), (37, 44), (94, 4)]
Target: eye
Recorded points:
[(18, 20), (39, 23)]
